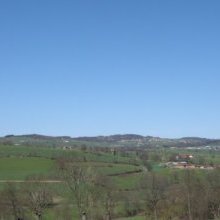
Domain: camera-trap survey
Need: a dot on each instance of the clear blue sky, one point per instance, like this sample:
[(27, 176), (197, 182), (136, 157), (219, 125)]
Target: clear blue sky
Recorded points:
[(77, 68)]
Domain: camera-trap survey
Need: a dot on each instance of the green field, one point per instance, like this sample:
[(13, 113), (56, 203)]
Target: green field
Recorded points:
[(19, 168), (15, 168)]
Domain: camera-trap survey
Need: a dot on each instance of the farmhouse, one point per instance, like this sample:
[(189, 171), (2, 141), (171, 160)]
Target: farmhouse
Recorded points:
[(180, 165), (181, 157)]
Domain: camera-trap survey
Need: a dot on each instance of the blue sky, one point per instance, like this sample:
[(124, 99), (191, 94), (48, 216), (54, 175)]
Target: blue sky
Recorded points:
[(103, 67)]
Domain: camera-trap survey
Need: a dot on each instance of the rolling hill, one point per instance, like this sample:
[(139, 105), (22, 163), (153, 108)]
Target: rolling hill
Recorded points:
[(118, 140)]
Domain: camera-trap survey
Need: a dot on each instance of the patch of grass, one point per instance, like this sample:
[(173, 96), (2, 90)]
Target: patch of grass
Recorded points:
[(14, 168), (132, 218), (127, 182)]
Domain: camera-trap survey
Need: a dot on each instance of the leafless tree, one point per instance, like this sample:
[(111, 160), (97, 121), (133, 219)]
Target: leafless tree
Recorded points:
[(214, 193), (12, 201), (80, 181), (154, 187), (107, 195), (37, 196)]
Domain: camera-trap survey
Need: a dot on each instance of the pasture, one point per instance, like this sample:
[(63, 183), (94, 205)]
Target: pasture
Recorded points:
[(17, 168)]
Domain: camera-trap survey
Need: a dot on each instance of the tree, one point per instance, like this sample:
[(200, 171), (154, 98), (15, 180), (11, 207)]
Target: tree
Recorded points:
[(188, 189), (174, 202), (131, 203), (13, 201), (195, 195), (107, 195), (38, 197), (214, 194), (80, 181), (154, 187)]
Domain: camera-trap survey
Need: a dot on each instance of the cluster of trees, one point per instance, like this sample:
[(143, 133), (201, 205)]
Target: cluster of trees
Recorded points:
[(94, 195), (188, 195), (31, 198), (185, 195), (181, 195)]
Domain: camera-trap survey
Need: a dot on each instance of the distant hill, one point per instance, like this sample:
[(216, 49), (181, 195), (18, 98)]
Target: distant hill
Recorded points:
[(117, 137), (118, 140)]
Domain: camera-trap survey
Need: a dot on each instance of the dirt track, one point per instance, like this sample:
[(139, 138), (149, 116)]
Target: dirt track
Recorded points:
[(31, 181)]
